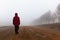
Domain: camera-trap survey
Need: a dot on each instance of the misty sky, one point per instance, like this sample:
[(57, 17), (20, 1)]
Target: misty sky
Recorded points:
[(28, 10)]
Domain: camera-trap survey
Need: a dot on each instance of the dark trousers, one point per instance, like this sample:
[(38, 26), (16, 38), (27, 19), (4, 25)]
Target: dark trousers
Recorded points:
[(16, 29)]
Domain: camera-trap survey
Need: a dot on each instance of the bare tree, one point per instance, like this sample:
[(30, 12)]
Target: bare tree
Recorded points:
[(58, 13), (49, 17)]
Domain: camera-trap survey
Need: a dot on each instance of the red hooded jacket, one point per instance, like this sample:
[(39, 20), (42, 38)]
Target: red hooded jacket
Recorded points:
[(16, 20)]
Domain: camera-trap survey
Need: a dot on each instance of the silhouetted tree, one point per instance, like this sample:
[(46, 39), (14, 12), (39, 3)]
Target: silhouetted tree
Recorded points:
[(58, 14), (49, 17)]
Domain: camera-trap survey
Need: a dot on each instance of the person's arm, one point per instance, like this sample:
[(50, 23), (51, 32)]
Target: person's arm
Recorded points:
[(19, 21), (13, 20)]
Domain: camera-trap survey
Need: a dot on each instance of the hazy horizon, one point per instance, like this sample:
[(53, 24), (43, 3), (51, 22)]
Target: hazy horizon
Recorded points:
[(28, 10)]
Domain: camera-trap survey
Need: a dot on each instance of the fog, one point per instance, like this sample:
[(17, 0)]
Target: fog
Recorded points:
[(28, 10)]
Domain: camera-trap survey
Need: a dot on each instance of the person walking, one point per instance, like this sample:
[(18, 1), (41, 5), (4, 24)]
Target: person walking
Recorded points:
[(16, 22)]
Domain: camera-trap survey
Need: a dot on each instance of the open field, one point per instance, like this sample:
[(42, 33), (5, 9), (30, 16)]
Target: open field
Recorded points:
[(43, 32)]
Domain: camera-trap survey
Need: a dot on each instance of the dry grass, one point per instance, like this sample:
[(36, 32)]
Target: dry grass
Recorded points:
[(30, 33)]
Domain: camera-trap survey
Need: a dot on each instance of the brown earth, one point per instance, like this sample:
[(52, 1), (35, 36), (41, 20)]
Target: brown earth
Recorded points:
[(30, 33)]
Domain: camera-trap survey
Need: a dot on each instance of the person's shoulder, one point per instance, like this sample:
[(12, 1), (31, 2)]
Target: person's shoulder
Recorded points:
[(18, 17), (14, 17)]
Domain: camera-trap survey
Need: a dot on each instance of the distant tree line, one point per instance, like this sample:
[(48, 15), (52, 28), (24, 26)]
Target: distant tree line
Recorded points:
[(49, 17)]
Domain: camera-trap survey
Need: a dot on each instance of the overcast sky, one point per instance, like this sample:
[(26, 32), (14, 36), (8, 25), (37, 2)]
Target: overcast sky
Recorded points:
[(28, 10)]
